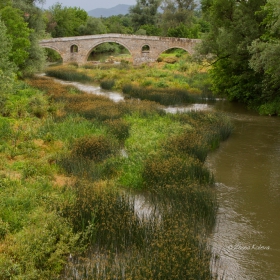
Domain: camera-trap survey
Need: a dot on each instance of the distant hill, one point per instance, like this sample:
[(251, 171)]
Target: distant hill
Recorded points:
[(121, 9)]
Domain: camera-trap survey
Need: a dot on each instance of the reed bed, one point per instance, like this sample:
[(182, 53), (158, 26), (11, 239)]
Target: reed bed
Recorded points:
[(68, 74), (126, 246), (163, 96)]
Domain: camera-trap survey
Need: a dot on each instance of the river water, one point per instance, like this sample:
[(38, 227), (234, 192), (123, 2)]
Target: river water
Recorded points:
[(247, 173)]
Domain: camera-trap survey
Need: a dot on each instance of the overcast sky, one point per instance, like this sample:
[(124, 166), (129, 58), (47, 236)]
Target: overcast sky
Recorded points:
[(88, 5)]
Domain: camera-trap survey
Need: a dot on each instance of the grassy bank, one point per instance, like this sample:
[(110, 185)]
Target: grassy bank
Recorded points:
[(70, 166)]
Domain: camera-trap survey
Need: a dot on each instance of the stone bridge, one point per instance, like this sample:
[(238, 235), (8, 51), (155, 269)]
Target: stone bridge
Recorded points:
[(143, 49)]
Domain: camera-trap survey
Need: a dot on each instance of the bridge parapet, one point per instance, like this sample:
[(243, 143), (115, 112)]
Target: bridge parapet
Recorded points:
[(78, 48)]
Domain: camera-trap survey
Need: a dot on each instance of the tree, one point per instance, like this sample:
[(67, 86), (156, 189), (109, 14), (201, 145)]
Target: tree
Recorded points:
[(144, 13), (18, 33), (31, 15), (92, 26), (66, 21), (177, 13), (118, 24), (234, 25), (266, 58), (7, 68)]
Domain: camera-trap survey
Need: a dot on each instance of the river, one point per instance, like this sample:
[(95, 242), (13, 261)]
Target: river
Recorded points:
[(247, 173)]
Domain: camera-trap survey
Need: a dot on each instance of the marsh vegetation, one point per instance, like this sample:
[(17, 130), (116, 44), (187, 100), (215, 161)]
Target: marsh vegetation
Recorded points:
[(70, 207)]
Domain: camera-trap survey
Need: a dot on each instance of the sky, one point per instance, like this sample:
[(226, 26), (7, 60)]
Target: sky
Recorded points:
[(88, 5)]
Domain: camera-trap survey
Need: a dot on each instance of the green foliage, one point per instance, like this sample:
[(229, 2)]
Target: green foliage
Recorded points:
[(265, 58), (144, 13), (92, 26), (18, 32), (118, 24), (7, 67), (66, 21), (242, 68), (25, 27), (38, 249), (176, 15), (151, 30)]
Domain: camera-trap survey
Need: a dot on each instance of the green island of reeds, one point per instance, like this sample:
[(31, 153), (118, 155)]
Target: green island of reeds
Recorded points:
[(73, 168)]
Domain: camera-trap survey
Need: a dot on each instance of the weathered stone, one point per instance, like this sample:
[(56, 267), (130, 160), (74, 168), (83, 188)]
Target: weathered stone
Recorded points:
[(77, 49)]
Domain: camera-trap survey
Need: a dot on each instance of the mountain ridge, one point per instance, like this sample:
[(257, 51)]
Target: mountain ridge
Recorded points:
[(121, 9)]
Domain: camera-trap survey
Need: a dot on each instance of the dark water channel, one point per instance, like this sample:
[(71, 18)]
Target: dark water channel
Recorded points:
[(247, 172)]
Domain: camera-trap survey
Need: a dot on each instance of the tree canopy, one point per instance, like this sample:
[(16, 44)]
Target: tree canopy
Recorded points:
[(234, 25)]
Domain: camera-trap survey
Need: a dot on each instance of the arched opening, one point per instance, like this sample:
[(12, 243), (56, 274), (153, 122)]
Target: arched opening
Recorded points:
[(146, 49), (52, 56), (110, 52), (175, 59), (74, 49)]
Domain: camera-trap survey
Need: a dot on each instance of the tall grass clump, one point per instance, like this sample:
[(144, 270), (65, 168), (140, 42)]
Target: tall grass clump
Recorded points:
[(67, 74), (190, 142), (169, 169), (87, 157), (96, 148), (118, 128), (214, 127), (107, 84), (166, 96)]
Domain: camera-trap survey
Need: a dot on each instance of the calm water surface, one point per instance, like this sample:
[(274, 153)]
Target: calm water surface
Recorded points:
[(247, 172)]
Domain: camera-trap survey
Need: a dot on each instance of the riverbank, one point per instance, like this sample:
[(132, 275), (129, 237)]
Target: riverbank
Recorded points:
[(66, 159)]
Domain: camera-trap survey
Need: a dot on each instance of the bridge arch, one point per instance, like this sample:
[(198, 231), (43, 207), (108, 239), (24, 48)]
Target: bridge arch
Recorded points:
[(52, 48), (53, 54), (174, 47), (89, 51)]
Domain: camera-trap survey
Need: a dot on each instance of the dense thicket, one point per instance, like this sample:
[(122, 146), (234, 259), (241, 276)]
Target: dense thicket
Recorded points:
[(243, 42), (24, 27)]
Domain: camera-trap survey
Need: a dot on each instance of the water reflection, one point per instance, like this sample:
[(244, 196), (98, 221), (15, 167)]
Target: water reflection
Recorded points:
[(191, 107)]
